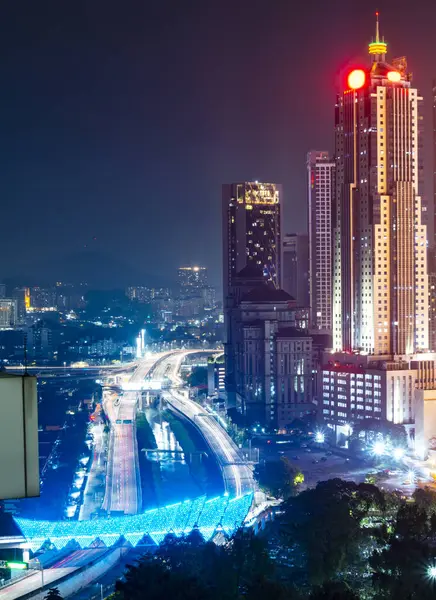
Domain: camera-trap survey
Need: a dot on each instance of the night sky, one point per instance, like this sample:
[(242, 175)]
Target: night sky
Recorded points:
[(119, 121)]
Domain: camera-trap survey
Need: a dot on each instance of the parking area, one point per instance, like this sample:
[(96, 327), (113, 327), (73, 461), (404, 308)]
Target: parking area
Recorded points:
[(322, 464)]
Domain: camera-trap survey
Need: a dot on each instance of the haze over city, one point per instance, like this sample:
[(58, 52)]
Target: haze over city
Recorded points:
[(120, 122)]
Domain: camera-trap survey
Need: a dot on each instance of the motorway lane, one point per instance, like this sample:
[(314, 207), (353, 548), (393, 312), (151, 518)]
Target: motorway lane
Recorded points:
[(96, 474), (33, 582), (238, 476), (123, 491)]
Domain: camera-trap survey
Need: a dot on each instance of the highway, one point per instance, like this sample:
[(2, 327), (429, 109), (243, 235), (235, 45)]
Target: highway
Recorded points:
[(96, 475), (238, 476), (34, 582), (123, 483)]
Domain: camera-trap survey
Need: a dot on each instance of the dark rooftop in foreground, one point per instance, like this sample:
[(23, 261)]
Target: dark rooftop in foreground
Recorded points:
[(265, 293)]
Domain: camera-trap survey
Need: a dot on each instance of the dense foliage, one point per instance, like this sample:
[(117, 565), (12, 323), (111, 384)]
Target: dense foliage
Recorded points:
[(338, 541)]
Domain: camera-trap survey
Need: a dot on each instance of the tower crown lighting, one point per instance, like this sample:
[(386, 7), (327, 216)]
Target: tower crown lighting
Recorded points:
[(378, 47)]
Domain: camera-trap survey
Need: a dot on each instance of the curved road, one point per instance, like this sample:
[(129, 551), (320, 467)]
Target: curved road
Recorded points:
[(237, 474)]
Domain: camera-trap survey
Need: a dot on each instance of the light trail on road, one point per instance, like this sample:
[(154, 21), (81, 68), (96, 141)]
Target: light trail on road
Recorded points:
[(123, 484), (238, 477)]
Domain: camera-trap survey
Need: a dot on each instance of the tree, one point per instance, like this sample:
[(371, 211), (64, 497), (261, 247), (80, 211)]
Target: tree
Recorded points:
[(53, 594), (325, 525), (188, 568), (279, 478), (153, 580), (333, 590), (400, 567), (198, 377)]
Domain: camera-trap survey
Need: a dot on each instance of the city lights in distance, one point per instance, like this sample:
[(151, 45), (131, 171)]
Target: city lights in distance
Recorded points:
[(394, 76), (356, 79)]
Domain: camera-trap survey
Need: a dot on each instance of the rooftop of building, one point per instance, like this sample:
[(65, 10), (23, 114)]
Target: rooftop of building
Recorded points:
[(265, 293), (292, 332), (250, 271)]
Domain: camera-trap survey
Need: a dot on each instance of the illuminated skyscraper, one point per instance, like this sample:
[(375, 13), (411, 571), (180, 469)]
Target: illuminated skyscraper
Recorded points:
[(320, 184), (433, 242), (192, 277), (381, 369), (8, 313), (380, 292), (251, 230)]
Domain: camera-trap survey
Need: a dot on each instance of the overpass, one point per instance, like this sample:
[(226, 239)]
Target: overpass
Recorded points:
[(209, 516)]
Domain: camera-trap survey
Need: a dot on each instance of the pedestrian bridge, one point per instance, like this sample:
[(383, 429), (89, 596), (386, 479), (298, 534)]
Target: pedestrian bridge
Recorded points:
[(220, 514)]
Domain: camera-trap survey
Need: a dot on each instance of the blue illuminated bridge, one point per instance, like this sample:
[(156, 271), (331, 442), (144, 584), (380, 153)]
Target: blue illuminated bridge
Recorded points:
[(221, 514)]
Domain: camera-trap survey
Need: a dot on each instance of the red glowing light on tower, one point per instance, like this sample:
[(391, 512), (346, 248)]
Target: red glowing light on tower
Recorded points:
[(356, 79)]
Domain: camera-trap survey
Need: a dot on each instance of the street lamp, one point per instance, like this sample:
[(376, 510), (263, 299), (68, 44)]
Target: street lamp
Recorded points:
[(431, 572), (398, 453), (379, 448)]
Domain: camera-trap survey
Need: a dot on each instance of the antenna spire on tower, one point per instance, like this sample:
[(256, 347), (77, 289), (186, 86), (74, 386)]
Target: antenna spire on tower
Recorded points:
[(378, 48)]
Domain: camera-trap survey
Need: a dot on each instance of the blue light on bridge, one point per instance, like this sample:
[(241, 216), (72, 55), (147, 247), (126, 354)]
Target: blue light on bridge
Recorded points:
[(217, 514)]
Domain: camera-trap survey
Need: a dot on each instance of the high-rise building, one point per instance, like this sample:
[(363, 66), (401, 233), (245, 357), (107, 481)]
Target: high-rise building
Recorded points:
[(433, 241), (380, 260), (321, 188), (22, 296), (381, 369), (42, 298), (139, 293), (432, 311), (270, 360), (2, 290), (192, 277), (8, 313), (251, 230), (295, 267)]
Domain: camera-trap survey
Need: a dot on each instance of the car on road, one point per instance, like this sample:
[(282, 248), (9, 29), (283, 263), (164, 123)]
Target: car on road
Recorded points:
[(295, 457), (315, 462), (324, 458)]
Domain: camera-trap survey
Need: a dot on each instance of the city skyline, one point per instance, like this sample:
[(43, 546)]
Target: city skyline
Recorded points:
[(101, 142)]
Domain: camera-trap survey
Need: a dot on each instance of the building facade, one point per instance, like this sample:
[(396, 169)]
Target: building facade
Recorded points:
[(380, 367), (295, 267), (8, 313), (320, 190), (380, 287), (269, 360), (251, 230), (192, 277)]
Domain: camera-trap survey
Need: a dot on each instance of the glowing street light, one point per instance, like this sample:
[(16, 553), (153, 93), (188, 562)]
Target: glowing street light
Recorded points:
[(398, 453), (431, 572), (379, 448), (411, 476), (319, 437)]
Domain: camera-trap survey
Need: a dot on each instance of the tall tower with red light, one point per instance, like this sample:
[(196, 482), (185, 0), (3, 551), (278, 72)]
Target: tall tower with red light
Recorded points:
[(380, 282)]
